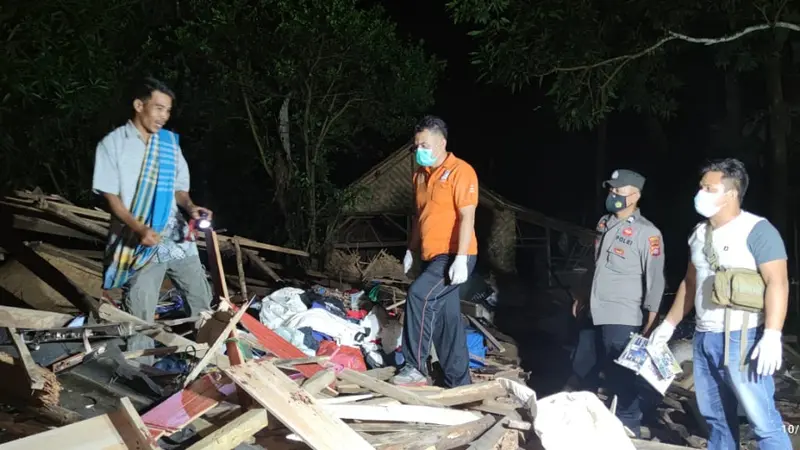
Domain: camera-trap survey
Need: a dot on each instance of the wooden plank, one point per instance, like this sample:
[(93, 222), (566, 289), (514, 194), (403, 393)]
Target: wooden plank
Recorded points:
[(445, 438), (490, 439), (228, 335), (35, 377), (277, 345), (650, 445), (234, 432), (131, 427), (215, 266), (98, 432), (111, 313), (34, 262), (38, 225), (261, 246), (402, 413), (492, 340), (294, 407), (212, 349), (239, 269), (468, 394), (261, 265), (104, 216), (31, 318), (319, 381), (119, 430), (386, 389)]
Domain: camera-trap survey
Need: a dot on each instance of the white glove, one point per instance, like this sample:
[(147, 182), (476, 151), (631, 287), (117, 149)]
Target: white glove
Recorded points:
[(769, 352), (408, 261), (661, 335), (458, 270)]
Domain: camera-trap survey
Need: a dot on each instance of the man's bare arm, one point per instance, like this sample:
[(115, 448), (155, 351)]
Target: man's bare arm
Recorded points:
[(466, 227), (119, 210), (776, 301), (684, 298), (184, 200), (414, 240)]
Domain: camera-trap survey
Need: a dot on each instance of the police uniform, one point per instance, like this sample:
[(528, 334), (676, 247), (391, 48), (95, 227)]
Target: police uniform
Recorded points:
[(628, 280)]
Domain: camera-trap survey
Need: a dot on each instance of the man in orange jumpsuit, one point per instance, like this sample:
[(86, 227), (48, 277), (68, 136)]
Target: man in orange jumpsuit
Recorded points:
[(446, 193)]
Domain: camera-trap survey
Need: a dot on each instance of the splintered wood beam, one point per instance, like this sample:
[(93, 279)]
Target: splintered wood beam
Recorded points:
[(131, 427), (31, 318), (445, 438), (240, 268), (319, 381), (295, 408), (234, 432), (215, 266), (35, 377), (386, 389), (213, 348)]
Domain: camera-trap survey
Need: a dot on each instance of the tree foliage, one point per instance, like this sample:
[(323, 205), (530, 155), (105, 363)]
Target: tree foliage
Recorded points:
[(303, 79), (563, 44), (271, 94), (63, 65)]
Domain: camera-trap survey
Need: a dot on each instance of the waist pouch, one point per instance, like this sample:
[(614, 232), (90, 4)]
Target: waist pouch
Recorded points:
[(734, 289)]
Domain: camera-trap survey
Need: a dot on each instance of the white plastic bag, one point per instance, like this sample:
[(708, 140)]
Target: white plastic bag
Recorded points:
[(280, 306), (321, 321)]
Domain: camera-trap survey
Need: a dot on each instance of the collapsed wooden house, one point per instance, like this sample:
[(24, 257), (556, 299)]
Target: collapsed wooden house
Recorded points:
[(381, 213), (283, 401)]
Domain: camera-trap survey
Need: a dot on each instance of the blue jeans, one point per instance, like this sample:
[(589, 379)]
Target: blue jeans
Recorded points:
[(721, 389)]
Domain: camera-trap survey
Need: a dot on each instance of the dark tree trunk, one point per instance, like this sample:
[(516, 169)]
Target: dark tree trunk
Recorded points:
[(601, 158), (779, 130)]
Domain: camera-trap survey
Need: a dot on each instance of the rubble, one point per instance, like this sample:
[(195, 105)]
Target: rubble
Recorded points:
[(252, 374)]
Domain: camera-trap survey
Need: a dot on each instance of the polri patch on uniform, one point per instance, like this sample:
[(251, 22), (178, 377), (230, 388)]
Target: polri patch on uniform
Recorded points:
[(601, 226), (627, 231), (655, 245), (619, 251)]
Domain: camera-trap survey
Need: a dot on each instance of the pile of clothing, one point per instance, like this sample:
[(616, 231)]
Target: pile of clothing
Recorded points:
[(348, 327)]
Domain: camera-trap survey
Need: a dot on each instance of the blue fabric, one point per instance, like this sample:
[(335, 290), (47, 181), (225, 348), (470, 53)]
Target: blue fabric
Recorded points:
[(720, 390), (152, 205), (476, 347)]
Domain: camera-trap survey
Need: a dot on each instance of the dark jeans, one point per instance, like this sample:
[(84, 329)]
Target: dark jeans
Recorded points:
[(587, 355), (598, 347), (433, 315)]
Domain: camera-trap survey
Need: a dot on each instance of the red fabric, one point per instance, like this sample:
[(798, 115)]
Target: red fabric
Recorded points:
[(343, 356), (358, 315)]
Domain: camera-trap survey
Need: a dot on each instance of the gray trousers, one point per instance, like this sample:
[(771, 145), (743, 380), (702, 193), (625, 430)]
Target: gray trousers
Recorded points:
[(143, 290)]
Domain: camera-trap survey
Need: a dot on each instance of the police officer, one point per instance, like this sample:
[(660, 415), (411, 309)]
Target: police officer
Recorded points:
[(628, 281)]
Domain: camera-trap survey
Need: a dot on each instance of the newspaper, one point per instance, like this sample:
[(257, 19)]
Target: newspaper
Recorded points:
[(656, 365)]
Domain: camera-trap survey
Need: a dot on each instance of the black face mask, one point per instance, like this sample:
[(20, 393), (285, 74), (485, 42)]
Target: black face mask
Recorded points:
[(615, 202)]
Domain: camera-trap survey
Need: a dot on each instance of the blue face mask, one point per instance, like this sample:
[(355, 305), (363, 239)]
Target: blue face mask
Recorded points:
[(424, 157)]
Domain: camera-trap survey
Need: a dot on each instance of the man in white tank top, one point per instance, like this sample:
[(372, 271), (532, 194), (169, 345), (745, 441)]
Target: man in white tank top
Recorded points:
[(742, 241)]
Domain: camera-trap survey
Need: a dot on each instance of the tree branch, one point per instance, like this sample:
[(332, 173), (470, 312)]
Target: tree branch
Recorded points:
[(673, 36)]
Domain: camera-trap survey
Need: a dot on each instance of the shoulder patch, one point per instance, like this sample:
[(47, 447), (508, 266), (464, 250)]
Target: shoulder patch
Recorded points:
[(655, 245)]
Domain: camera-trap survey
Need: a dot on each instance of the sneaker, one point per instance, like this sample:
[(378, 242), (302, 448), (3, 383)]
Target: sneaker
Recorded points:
[(409, 376)]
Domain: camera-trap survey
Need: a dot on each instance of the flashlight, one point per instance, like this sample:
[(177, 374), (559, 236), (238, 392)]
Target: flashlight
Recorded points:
[(203, 222)]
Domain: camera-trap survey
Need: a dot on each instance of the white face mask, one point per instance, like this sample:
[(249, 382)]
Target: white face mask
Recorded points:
[(707, 203)]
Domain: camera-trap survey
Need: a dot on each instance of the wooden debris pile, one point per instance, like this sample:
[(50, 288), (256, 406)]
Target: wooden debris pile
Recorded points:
[(284, 400), (349, 265)]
